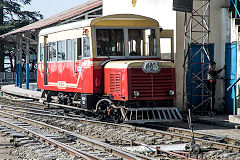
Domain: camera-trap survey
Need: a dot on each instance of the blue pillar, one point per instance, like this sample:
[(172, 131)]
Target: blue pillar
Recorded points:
[(27, 75), (16, 79), (230, 76), (20, 75), (20, 62), (27, 66), (37, 89), (17, 62)]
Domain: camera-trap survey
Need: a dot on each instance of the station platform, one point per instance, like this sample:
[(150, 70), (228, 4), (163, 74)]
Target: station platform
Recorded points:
[(29, 93), (217, 120)]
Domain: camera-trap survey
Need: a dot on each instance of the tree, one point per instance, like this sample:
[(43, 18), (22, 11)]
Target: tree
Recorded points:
[(12, 17)]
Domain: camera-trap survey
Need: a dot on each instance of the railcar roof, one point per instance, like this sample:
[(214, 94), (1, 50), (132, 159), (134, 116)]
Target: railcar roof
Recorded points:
[(92, 22), (136, 64), (69, 26)]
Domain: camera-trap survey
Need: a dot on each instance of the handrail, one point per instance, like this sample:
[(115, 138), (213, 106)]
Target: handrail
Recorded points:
[(235, 4), (235, 97), (10, 76), (233, 84)]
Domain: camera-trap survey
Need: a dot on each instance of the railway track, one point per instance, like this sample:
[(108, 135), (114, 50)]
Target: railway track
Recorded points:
[(56, 138), (138, 136)]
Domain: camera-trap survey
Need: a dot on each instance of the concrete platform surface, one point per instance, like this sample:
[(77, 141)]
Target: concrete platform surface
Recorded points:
[(30, 93), (234, 119), (219, 120)]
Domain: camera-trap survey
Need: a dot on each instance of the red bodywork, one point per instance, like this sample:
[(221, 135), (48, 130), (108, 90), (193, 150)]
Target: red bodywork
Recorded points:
[(81, 77), (121, 83), (86, 76)]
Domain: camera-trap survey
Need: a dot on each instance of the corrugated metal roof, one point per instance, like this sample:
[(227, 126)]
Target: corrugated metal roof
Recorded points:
[(58, 17)]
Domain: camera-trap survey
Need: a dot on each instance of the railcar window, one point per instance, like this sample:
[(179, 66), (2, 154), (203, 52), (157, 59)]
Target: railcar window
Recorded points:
[(86, 47), (71, 49), (79, 49), (61, 50), (166, 48), (52, 51), (142, 42), (47, 54), (41, 52), (110, 42)]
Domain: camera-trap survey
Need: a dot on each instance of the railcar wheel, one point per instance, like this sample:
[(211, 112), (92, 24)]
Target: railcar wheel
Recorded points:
[(106, 110), (61, 98), (102, 108), (49, 96), (116, 115), (69, 101), (43, 96)]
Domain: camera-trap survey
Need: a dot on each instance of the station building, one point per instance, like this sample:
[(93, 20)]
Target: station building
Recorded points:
[(221, 25)]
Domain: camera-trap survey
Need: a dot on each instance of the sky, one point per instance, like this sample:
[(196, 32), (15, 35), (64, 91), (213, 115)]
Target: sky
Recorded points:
[(51, 7)]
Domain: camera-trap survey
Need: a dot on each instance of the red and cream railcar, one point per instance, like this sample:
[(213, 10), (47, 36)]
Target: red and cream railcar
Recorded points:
[(110, 65)]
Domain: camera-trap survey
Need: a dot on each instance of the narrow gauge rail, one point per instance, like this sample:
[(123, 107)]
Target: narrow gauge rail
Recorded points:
[(82, 139), (204, 136), (10, 101), (60, 145), (177, 133), (172, 154)]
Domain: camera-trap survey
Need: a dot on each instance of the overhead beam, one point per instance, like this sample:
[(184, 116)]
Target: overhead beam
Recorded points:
[(84, 14)]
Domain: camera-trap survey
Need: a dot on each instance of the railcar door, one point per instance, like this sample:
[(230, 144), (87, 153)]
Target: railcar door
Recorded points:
[(61, 58), (51, 64), (67, 67), (69, 73)]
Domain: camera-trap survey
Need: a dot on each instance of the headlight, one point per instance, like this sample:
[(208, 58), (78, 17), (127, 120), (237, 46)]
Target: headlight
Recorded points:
[(136, 94), (171, 92)]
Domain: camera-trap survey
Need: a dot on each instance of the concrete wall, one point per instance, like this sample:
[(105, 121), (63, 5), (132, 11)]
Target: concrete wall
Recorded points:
[(179, 58), (160, 10), (219, 31)]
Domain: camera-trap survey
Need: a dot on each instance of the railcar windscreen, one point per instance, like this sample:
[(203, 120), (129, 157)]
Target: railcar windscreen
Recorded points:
[(141, 42), (110, 42)]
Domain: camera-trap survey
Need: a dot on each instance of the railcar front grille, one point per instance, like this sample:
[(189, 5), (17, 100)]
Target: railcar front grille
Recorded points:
[(152, 84)]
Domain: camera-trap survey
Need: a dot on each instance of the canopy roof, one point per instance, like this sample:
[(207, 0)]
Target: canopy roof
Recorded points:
[(84, 10)]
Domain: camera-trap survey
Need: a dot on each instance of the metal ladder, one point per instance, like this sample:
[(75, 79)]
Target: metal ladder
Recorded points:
[(146, 115)]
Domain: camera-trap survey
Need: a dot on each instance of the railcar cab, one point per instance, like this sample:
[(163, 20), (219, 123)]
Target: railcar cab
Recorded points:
[(137, 84)]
